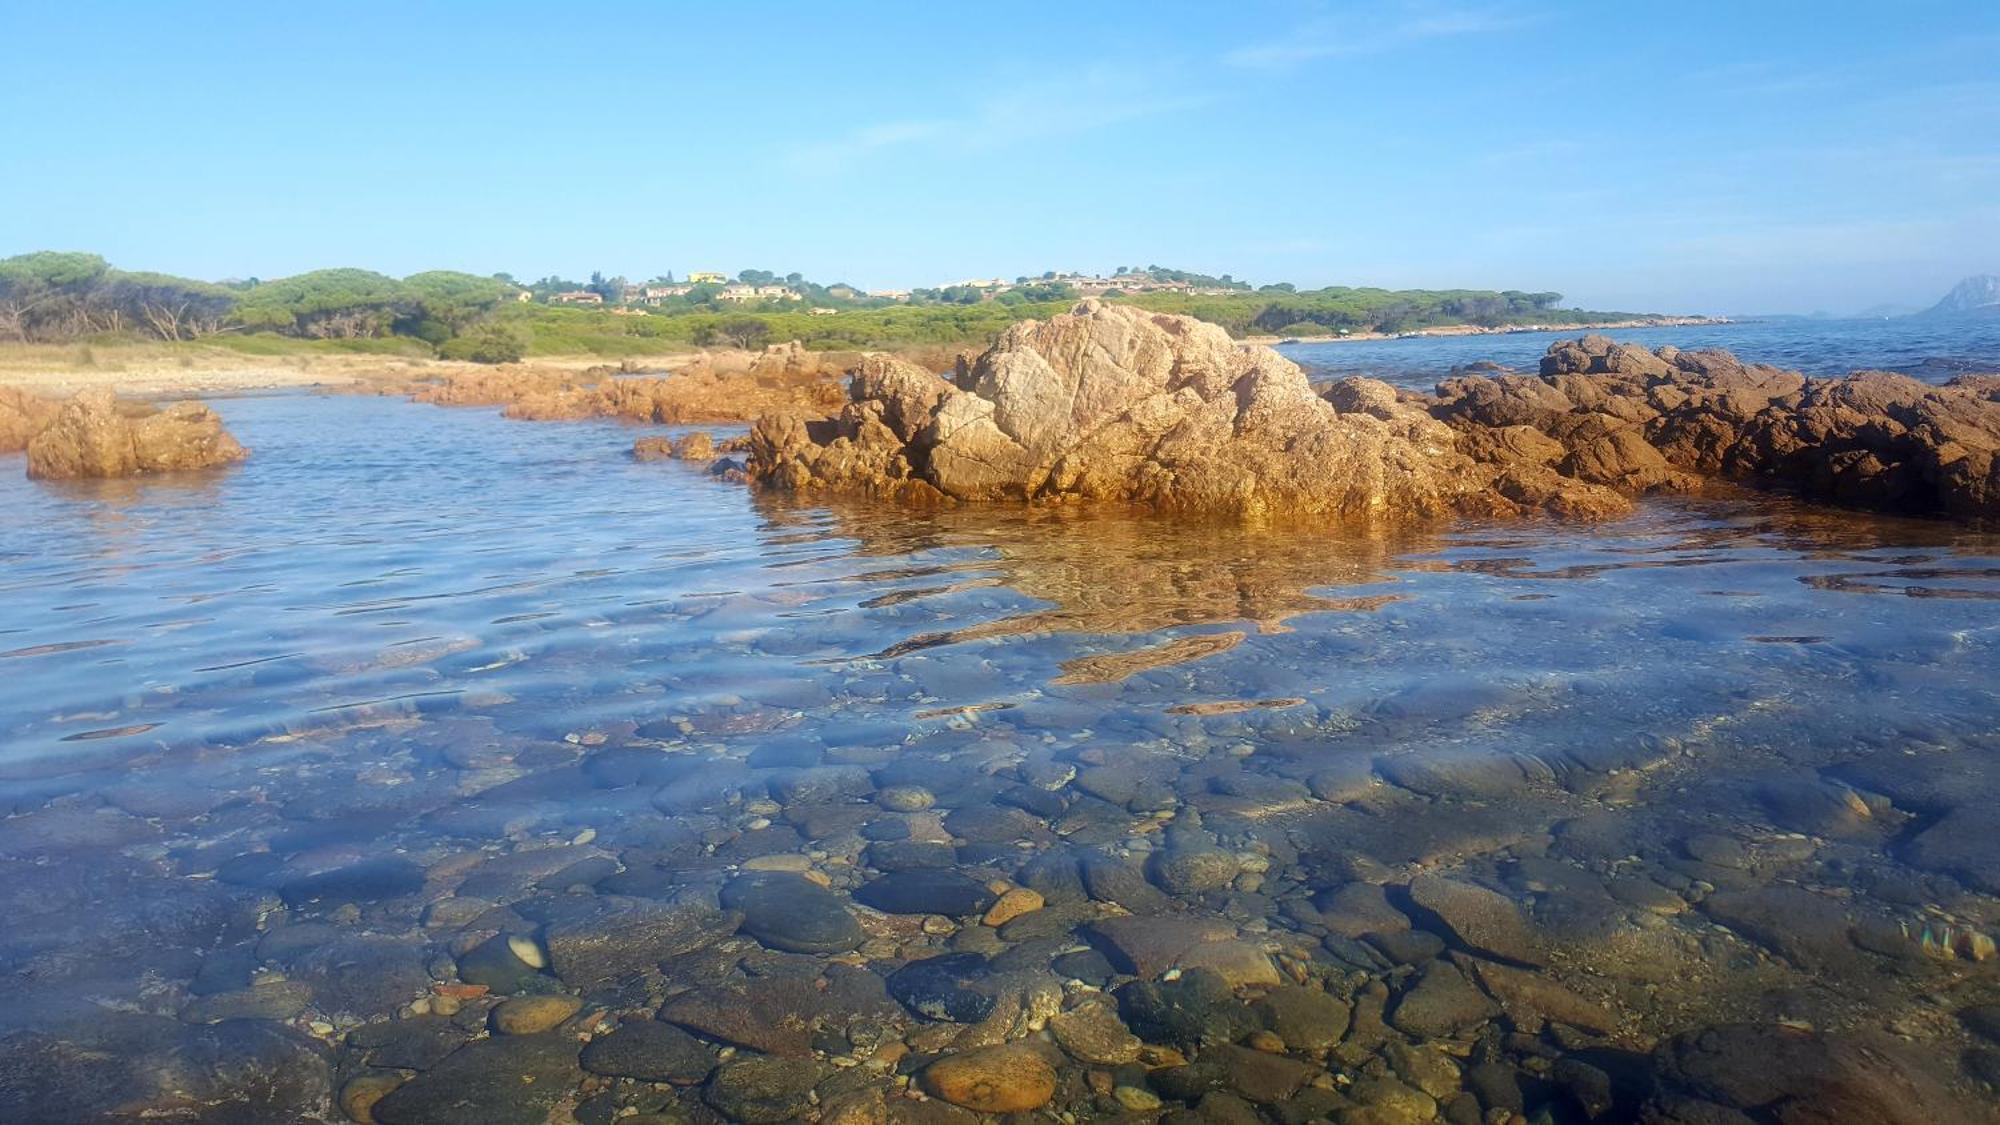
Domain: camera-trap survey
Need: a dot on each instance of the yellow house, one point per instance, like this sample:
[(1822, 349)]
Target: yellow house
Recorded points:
[(701, 278)]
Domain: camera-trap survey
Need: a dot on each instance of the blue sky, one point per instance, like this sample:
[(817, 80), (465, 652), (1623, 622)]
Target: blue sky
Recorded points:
[(1711, 157)]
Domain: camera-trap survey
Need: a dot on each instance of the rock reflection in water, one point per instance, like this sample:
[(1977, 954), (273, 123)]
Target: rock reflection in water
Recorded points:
[(1110, 574), (795, 810)]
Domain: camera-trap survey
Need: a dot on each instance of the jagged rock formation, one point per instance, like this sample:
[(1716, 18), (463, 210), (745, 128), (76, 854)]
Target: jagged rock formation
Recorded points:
[(94, 435), (723, 386), (1112, 403), (22, 416), (1662, 421)]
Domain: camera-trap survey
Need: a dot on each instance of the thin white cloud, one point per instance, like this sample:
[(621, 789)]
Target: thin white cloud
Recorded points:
[(1031, 111), (1369, 34)]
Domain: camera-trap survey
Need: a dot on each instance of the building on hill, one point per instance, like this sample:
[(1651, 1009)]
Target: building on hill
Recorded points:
[(890, 294), (822, 310), (705, 277), (576, 297), (740, 294), (659, 294)]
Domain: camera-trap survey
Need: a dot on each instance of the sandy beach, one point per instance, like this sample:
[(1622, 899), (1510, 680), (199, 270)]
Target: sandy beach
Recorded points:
[(157, 371)]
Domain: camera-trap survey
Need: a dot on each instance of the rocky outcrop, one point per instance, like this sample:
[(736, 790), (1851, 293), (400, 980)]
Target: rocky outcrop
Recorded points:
[(22, 416), (1112, 403), (718, 386), (95, 435), (697, 446), (1661, 421)]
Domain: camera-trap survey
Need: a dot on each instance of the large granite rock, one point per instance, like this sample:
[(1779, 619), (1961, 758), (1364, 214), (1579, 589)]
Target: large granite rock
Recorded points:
[(1662, 421), (22, 416), (1112, 403), (94, 435)]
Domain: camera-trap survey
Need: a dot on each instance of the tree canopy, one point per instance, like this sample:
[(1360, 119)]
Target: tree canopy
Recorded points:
[(54, 296)]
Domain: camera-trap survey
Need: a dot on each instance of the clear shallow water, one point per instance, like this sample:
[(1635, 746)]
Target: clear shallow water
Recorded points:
[(294, 739), (1932, 350)]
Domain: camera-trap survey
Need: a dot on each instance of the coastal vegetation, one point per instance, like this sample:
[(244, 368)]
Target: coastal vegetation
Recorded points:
[(76, 298)]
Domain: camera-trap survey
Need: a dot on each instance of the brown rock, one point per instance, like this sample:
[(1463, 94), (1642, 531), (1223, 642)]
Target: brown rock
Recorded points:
[(1796, 1077), (1110, 402), (774, 1015), (1093, 1033), (697, 446), (1660, 421), (1481, 919), (1010, 1078), (532, 1015), (22, 416), (727, 386), (1530, 997), (94, 435), (1150, 946), (358, 1097), (1241, 964), (1011, 905)]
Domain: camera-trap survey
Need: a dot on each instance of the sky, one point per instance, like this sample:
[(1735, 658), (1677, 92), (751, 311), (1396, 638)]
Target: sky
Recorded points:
[(1696, 157)]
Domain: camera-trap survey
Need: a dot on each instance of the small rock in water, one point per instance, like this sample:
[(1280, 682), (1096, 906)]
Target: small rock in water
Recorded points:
[(927, 892), (1357, 909), (1185, 872), (506, 1080), (1011, 905), (1113, 880), (598, 939), (532, 1015), (1484, 920), (1307, 1018), (277, 1000), (359, 1095), (905, 798), (649, 1051), (772, 1014), (763, 1091), (1136, 1099), (1092, 1033), (944, 988), (529, 953), (1441, 1004), (1010, 1078), (786, 912), (496, 965)]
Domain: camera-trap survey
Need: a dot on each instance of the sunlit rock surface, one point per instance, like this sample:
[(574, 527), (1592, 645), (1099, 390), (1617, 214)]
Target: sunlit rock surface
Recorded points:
[(1662, 421), (1112, 403), (22, 416), (94, 435)]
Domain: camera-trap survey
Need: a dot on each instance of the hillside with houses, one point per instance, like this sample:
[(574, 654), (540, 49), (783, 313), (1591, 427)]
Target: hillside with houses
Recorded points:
[(705, 289)]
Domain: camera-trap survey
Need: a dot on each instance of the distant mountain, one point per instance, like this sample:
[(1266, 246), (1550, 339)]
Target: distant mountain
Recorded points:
[(1975, 296)]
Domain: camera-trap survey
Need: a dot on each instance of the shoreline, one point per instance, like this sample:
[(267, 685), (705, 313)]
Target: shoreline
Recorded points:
[(58, 371), (164, 371), (1505, 330)]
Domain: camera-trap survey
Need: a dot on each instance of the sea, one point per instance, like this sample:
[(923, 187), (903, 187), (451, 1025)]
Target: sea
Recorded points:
[(315, 771)]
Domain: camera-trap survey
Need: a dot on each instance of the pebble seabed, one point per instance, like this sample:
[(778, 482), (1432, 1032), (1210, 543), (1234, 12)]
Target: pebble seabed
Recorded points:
[(1047, 825)]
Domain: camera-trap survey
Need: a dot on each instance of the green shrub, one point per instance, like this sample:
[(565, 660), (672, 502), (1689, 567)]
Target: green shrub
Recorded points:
[(489, 343)]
